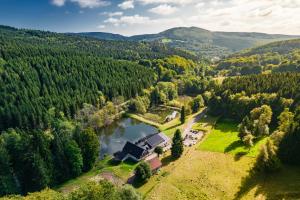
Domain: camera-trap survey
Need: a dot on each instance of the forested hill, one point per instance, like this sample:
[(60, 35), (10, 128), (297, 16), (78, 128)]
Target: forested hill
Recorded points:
[(283, 56), (40, 70), (200, 41), (40, 41), (281, 47)]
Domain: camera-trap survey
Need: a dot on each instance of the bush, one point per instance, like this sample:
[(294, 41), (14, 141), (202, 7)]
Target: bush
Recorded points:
[(267, 161), (143, 172)]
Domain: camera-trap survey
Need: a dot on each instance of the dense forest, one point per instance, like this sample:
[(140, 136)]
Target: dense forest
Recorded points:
[(56, 89), (40, 70), (237, 96), (49, 81), (281, 56), (265, 105)]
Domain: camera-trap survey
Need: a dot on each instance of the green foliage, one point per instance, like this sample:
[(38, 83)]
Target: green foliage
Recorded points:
[(283, 56), (143, 172), (34, 65), (159, 150), (89, 144), (182, 115), (285, 119), (177, 145), (197, 103), (93, 191), (37, 159), (256, 126), (129, 193), (7, 182), (267, 161), (163, 93), (289, 147), (103, 190), (140, 104)]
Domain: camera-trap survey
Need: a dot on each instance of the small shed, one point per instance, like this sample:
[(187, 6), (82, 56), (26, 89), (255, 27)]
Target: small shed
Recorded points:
[(155, 164)]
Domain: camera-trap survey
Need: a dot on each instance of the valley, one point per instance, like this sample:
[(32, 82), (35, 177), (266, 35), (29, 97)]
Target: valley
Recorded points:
[(70, 101)]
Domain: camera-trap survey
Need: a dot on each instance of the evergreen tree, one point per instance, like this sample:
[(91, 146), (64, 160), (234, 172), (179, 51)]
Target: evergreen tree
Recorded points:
[(177, 145), (182, 115), (89, 144)]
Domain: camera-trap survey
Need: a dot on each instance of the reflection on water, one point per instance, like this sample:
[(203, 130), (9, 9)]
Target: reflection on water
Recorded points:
[(114, 137)]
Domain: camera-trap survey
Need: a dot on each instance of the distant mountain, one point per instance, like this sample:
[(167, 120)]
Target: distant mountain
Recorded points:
[(103, 36), (200, 41)]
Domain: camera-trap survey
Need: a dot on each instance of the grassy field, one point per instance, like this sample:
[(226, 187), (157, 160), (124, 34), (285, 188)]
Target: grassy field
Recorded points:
[(213, 174), (224, 138), (121, 171), (158, 114)]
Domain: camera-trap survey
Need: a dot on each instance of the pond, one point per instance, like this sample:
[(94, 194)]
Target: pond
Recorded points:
[(114, 137)]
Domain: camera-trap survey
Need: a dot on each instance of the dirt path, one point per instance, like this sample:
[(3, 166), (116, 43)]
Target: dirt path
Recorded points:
[(192, 121)]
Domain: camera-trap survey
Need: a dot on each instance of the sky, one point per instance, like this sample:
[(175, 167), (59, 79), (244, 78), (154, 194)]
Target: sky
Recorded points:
[(132, 17)]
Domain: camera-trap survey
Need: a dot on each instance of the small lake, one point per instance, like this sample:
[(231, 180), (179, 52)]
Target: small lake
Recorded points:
[(114, 137)]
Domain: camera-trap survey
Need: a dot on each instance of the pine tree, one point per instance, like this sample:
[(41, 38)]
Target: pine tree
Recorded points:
[(182, 115), (177, 145)]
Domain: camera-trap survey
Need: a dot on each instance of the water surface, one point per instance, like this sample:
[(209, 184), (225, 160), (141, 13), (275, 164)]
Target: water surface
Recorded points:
[(114, 137)]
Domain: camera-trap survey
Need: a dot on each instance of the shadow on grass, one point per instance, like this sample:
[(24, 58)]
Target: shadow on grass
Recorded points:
[(174, 126), (233, 146), (239, 155), (249, 182), (276, 185), (167, 160)]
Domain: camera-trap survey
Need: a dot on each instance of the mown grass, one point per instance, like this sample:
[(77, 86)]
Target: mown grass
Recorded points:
[(224, 138)]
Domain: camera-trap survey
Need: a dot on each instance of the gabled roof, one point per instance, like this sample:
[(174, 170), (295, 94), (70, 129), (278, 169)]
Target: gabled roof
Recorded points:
[(154, 163), (133, 150), (155, 140)]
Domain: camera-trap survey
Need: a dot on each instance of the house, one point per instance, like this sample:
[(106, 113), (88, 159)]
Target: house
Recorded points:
[(131, 151), (142, 148), (155, 164), (171, 117)]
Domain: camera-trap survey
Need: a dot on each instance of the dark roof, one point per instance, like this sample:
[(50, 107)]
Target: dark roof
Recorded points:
[(155, 163), (133, 150), (155, 140), (120, 155)]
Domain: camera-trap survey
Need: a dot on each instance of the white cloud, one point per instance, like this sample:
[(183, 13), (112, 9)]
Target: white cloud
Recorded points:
[(58, 2), (101, 26), (270, 16), (128, 20), (163, 9), (128, 4), (83, 3), (177, 2), (112, 14)]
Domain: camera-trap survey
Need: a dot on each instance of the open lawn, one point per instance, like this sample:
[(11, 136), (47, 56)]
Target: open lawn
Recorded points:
[(218, 176), (224, 138), (121, 171), (158, 114)]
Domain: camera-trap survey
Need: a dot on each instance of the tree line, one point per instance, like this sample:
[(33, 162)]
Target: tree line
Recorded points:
[(33, 160)]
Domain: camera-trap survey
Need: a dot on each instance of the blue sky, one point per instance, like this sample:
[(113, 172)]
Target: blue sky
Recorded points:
[(130, 17)]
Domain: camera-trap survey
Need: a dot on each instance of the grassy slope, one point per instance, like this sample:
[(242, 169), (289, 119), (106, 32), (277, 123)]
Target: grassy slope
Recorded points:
[(212, 175), (224, 138), (122, 171)]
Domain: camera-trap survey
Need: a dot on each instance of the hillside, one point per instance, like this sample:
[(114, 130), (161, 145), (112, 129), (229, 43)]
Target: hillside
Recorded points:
[(282, 56), (201, 41), (34, 66)]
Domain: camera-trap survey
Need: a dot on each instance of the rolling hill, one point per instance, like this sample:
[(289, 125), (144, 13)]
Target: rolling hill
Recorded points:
[(281, 56), (200, 41)]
